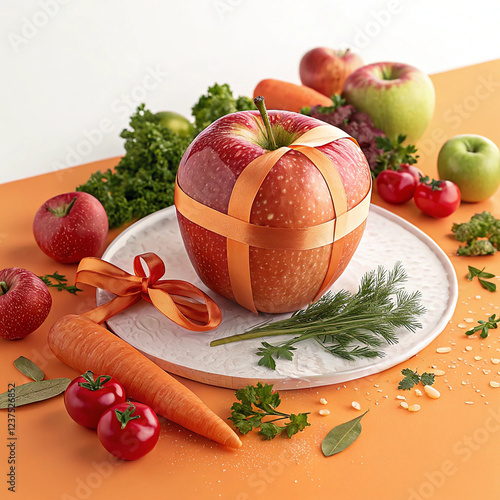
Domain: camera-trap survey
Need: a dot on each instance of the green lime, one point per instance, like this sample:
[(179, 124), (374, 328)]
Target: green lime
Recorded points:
[(176, 123)]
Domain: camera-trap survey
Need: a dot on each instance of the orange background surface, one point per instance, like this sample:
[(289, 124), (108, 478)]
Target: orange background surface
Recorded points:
[(448, 450)]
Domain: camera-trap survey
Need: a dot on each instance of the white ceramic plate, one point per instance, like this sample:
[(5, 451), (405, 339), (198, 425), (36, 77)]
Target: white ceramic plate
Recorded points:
[(387, 239)]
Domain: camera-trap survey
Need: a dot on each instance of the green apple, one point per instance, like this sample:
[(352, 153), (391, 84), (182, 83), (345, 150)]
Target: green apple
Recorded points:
[(397, 97), (176, 123), (472, 162)]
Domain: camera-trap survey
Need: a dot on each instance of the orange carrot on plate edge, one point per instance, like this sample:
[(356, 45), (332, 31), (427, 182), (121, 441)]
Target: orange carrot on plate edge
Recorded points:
[(84, 345)]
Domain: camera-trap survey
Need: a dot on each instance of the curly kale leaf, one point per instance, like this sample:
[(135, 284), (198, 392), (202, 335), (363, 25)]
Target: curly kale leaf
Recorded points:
[(143, 180), (218, 101), (481, 235)]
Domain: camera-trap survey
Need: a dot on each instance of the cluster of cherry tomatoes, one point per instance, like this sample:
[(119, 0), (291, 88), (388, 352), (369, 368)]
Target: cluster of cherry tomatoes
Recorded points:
[(127, 430), (437, 198)]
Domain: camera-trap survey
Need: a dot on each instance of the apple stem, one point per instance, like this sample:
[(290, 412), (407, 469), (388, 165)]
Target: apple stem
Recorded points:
[(4, 288), (62, 211), (261, 106)]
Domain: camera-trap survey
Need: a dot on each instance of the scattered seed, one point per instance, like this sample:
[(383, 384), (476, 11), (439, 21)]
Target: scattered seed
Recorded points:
[(404, 405), (356, 405), (461, 325), (401, 397), (478, 358), (323, 401), (468, 348), (438, 373), (432, 392), (469, 320), (464, 382), (324, 412), (414, 407), (495, 361), (486, 372), (495, 384), (443, 350), (418, 392), (469, 402), (478, 297)]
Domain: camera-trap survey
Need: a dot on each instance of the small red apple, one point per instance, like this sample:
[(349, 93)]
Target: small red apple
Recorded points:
[(326, 70), (25, 302), (293, 195), (71, 226)]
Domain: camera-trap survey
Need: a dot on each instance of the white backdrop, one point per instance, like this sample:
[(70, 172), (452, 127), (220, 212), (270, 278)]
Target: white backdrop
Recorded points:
[(73, 71)]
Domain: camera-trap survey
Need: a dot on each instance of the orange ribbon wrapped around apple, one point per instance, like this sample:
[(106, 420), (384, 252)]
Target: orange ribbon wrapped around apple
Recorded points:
[(271, 208)]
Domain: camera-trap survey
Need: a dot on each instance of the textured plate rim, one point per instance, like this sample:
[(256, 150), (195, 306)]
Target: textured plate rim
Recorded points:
[(287, 382)]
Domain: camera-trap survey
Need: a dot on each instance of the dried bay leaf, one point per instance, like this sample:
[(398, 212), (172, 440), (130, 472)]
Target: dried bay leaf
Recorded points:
[(342, 436), (28, 368), (33, 392)]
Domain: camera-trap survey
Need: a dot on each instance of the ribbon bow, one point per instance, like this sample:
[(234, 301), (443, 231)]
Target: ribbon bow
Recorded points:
[(173, 298)]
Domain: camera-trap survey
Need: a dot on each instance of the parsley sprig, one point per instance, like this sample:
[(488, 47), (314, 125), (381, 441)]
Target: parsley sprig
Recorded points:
[(484, 326), (258, 402), (413, 378), (394, 153), (347, 325), (59, 281), (482, 276)]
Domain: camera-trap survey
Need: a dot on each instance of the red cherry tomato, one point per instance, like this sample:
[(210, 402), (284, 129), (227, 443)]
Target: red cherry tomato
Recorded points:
[(437, 198), (129, 431), (416, 172), (395, 186), (86, 398)]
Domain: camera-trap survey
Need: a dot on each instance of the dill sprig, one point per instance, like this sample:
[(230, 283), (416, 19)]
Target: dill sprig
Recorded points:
[(347, 325)]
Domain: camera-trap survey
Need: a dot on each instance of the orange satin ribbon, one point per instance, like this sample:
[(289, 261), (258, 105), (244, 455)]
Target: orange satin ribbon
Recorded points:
[(241, 234), (173, 298)]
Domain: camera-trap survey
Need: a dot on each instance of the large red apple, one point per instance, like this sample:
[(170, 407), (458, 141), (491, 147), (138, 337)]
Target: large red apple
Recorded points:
[(294, 194), (25, 302), (71, 226), (326, 70)]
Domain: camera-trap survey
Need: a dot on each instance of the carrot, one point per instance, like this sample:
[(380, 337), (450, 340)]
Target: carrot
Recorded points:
[(84, 345), (288, 96)]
